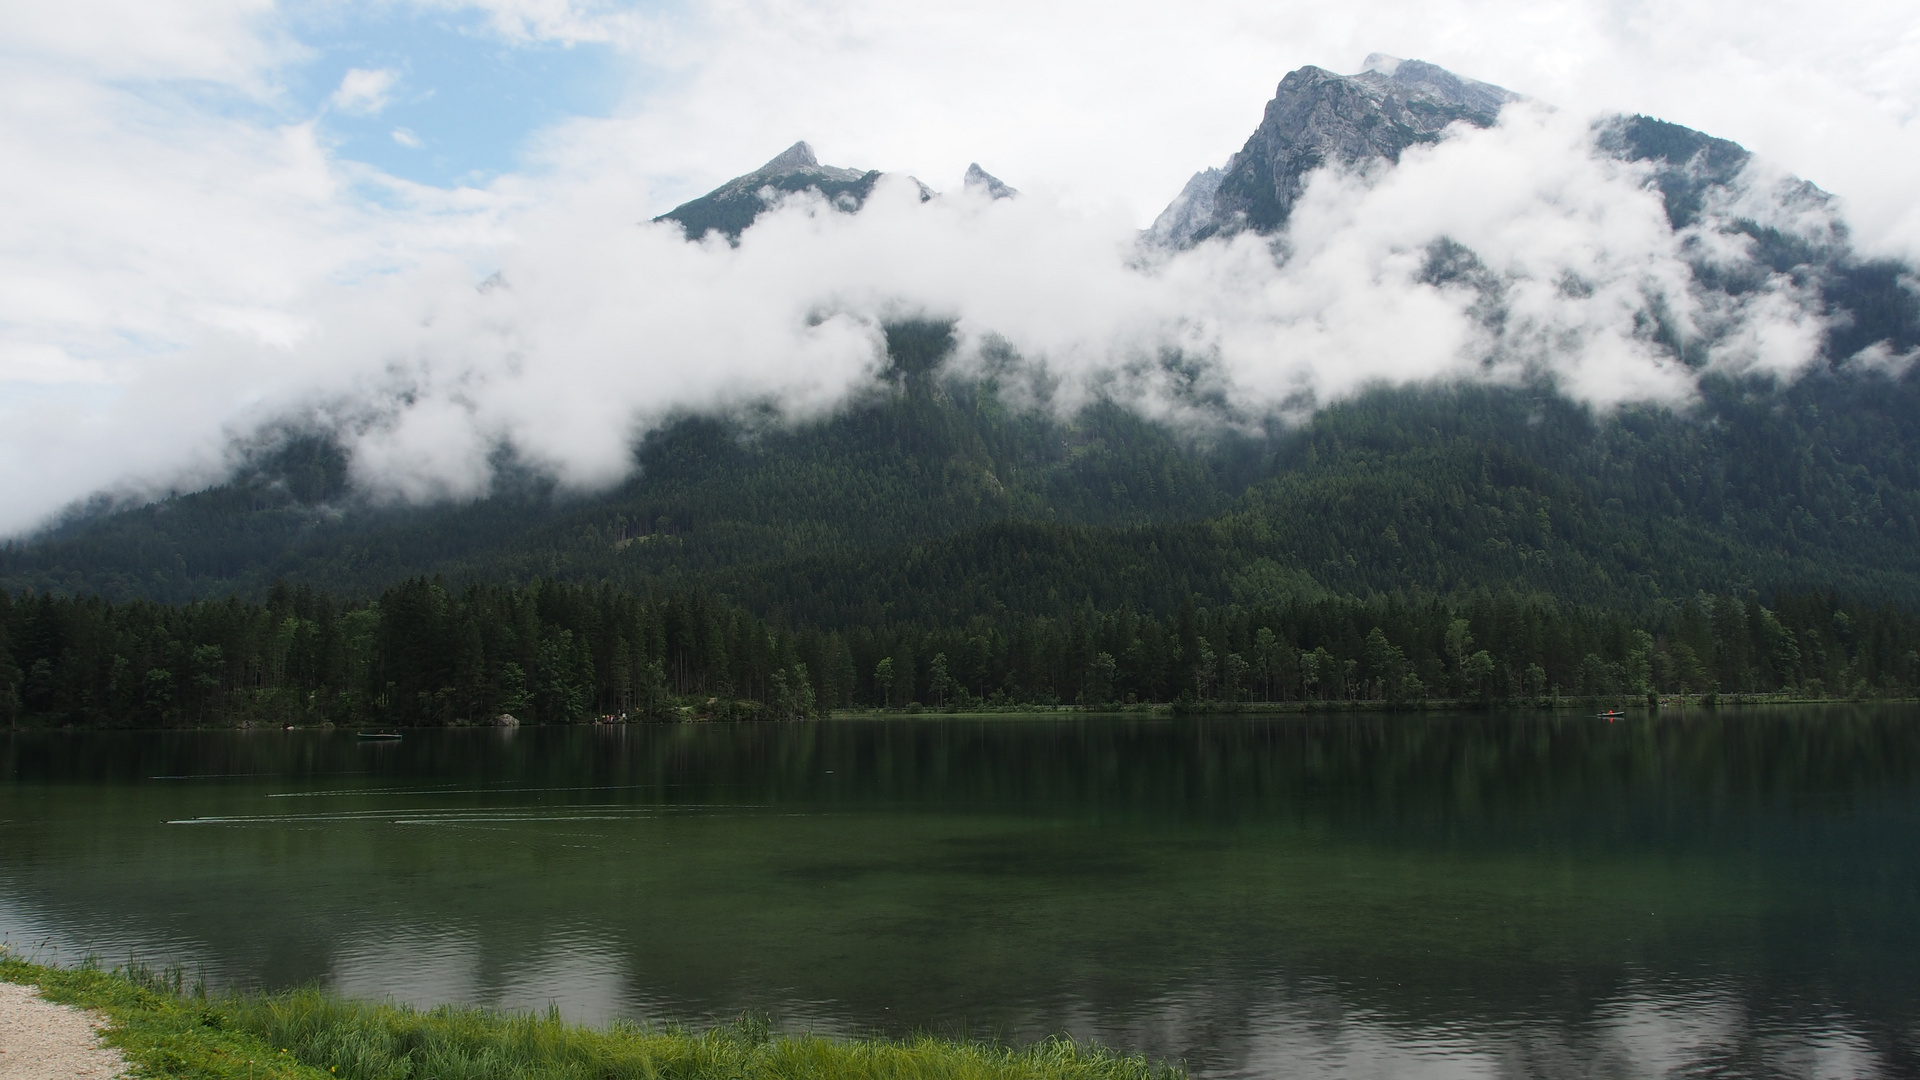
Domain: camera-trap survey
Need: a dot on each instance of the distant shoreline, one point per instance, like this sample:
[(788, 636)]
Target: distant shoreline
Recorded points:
[(1625, 707)]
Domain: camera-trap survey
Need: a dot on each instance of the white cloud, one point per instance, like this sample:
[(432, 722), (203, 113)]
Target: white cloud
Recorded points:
[(143, 228), (225, 41), (407, 139), (569, 22), (1880, 356), (365, 91)]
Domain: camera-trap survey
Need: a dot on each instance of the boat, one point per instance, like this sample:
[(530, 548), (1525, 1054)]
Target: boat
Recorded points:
[(378, 734)]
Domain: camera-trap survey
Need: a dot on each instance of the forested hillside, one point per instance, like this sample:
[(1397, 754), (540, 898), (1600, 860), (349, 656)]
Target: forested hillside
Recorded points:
[(933, 544), (934, 499)]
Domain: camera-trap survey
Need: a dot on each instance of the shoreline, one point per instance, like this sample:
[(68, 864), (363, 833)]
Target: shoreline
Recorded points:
[(1624, 706), (159, 1026)]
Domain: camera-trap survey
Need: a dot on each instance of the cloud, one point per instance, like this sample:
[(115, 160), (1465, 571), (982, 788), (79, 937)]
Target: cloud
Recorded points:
[(365, 91), (147, 226), (565, 22), (407, 139), (1880, 357), (223, 41)]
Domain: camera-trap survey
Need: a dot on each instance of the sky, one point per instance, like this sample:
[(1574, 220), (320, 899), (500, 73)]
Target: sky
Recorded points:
[(227, 215)]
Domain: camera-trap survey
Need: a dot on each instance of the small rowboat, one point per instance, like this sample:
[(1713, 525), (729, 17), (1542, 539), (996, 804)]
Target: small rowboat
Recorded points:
[(379, 734)]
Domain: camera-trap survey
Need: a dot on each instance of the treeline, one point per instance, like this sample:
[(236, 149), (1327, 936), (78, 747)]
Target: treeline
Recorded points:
[(562, 653)]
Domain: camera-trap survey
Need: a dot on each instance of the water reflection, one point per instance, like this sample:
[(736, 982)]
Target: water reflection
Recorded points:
[(1718, 894), (1649, 1031), (578, 973)]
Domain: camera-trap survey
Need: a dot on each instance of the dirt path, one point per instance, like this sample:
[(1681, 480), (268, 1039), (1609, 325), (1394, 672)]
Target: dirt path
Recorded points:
[(43, 1041)]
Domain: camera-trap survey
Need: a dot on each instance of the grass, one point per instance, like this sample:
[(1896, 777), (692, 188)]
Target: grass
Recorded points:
[(167, 1030), (162, 1029)]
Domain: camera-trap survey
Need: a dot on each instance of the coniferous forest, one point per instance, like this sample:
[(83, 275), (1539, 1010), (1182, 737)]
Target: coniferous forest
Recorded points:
[(560, 653), (949, 541)]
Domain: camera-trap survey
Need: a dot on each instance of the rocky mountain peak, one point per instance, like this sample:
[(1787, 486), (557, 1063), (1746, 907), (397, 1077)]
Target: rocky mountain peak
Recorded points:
[(979, 179), (1317, 118), (794, 158), (1417, 77), (733, 206)]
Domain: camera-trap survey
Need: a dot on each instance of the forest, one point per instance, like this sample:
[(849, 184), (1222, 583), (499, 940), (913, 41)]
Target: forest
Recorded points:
[(949, 540), (553, 652)]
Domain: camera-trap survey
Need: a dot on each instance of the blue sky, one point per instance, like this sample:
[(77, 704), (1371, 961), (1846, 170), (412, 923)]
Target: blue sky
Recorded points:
[(463, 100)]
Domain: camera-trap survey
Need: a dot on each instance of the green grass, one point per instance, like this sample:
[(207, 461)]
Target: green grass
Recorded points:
[(166, 1030), (162, 1030)]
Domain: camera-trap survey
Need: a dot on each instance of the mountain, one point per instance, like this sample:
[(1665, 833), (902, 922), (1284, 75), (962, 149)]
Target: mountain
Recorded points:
[(939, 497), (733, 206), (979, 179), (1317, 118)]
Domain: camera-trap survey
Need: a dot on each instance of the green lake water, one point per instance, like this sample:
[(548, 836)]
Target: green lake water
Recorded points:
[(1731, 893)]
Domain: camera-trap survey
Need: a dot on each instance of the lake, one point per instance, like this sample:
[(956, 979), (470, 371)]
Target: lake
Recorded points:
[(1723, 893)]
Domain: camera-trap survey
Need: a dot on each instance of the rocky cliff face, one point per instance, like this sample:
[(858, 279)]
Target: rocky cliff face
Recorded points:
[(1315, 118), (1190, 212)]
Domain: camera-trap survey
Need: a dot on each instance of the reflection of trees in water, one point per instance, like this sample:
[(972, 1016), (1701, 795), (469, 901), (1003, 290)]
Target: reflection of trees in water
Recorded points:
[(1460, 764), (1626, 1026)]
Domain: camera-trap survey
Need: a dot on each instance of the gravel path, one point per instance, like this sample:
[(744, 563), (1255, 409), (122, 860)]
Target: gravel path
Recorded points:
[(43, 1041)]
